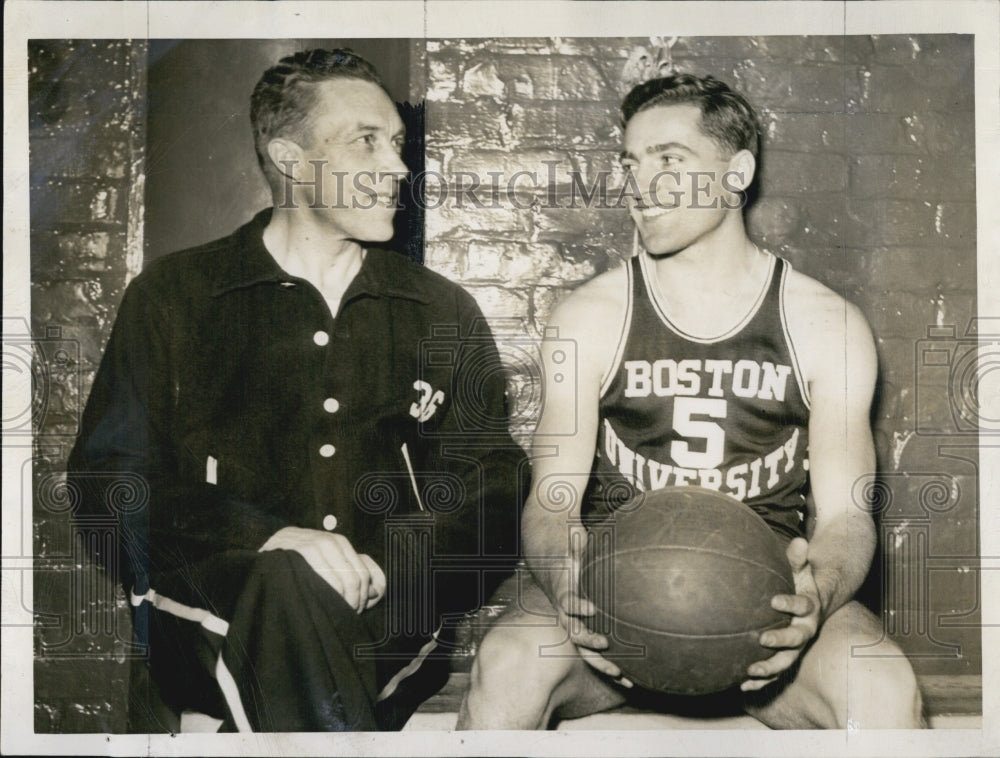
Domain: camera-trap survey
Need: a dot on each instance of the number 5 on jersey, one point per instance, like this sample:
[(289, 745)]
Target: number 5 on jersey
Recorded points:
[(686, 425)]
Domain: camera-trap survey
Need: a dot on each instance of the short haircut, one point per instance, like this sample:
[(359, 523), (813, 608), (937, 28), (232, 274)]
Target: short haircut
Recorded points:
[(283, 100), (726, 116)]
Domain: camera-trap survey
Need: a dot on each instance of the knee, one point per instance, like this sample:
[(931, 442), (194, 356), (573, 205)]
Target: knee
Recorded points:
[(519, 657), (864, 678), (891, 693)]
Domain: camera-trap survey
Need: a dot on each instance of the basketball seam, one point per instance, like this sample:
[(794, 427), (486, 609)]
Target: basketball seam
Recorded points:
[(709, 551), (663, 633)]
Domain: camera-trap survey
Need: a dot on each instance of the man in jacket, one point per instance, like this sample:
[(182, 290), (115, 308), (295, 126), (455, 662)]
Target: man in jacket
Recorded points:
[(302, 436)]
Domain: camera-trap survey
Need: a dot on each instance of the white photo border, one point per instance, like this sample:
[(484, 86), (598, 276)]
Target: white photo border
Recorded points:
[(31, 19)]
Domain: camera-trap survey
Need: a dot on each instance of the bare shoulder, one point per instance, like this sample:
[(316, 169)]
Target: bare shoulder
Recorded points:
[(591, 317), (826, 329), (595, 309)]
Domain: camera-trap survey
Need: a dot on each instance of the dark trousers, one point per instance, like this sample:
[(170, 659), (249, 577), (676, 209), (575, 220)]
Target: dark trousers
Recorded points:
[(262, 642)]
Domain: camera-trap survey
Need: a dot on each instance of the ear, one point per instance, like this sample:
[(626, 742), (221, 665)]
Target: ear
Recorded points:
[(286, 157), (742, 167)]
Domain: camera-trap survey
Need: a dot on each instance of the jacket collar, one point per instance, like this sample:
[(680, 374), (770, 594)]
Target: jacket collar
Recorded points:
[(383, 272)]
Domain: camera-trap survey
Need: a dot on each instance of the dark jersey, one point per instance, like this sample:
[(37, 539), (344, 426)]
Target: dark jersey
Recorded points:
[(729, 413)]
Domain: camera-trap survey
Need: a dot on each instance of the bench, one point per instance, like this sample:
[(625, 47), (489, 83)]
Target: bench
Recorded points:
[(950, 702)]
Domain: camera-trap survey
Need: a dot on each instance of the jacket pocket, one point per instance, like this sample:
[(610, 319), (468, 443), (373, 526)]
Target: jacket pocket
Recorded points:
[(223, 462)]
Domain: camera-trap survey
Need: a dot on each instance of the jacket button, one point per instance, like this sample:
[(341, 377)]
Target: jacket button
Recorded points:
[(329, 522), (327, 450), (321, 338), (330, 405)]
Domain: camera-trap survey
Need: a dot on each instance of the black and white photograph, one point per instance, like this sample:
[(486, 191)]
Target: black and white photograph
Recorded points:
[(529, 378)]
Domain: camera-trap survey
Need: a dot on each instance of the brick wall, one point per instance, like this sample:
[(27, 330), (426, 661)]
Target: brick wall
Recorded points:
[(86, 150), (866, 183)]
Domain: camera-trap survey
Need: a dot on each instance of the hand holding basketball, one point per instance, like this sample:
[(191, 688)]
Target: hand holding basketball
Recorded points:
[(790, 641), (572, 607), (682, 580)]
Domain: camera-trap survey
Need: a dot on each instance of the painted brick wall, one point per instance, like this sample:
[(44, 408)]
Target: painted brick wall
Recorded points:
[(867, 183), (86, 163)]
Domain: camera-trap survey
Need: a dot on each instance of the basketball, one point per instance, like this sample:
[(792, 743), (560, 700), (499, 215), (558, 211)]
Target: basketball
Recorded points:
[(682, 579)]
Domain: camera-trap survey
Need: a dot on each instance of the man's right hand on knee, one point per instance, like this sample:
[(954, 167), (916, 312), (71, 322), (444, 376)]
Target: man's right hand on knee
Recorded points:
[(356, 577)]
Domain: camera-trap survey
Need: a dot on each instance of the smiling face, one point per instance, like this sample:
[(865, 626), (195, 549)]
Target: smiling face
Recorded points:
[(349, 166), (686, 184)]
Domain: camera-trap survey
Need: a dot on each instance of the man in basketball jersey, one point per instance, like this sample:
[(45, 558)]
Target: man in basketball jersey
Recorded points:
[(702, 361)]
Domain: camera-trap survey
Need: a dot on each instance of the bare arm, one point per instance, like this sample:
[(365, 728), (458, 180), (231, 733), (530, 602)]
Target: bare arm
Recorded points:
[(563, 452), (841, 451), (578, 349), (840, 365)]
